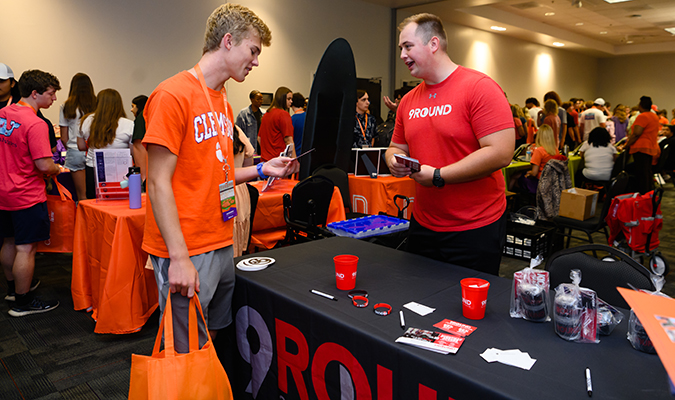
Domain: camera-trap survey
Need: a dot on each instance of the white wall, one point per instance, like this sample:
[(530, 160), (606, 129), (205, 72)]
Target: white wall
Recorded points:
[(522, 69), (132, 45), (625, 79)]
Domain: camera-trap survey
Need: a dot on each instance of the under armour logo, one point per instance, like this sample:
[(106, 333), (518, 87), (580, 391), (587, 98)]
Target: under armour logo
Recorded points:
[(3, 127), (432, 96)]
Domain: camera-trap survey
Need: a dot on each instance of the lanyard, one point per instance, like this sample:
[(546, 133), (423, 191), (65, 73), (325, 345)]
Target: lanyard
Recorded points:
[(221, 133), (363, 132), (23, 103)]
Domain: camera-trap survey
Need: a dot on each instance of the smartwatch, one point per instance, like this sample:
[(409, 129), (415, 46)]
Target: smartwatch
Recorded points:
[(437, 180)]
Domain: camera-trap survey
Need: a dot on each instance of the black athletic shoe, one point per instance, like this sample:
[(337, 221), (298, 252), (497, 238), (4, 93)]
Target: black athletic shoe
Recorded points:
[(33, 285), (34, 307)]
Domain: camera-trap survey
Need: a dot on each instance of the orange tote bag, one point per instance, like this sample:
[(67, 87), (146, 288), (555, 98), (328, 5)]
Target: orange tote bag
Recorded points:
[(167, 375), (61, 211)]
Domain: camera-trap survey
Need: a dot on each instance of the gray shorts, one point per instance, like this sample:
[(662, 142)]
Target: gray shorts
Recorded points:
[(216, 286), (75, 159)]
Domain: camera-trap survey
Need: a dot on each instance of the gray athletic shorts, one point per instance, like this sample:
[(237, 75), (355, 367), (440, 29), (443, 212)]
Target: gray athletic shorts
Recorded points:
[(216, 286), (75, 159)]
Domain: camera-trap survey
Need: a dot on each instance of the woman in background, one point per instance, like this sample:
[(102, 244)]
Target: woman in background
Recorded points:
[(364, 125), (545, 151), (552, 119), (598, 155), (81, 101), (276, 127), (106, 128), (620, 119)]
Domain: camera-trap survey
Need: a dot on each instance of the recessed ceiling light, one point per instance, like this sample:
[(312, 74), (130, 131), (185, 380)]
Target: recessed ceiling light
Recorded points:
[(497, 28), (629, 42), (671, 30), (579, 23), (549, 14), (615, 1), (603, 32), (558, 44)]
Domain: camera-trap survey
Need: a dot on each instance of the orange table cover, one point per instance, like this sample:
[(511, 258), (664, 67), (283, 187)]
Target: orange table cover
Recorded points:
[(269, 226), (109, 274), (370, 196)]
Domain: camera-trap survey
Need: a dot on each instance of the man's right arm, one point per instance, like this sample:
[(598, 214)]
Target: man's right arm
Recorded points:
[(183, 276), (47, 166), (397, 169)]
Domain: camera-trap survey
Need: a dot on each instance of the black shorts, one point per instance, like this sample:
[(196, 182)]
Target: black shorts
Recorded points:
[(29, 225), (479, 249)]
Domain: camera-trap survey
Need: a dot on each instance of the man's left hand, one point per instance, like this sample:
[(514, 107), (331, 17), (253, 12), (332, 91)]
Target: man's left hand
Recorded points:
[(280, 167), (425, 176)]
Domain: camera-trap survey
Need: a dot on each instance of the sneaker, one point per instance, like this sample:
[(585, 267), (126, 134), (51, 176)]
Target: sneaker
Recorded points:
[(34, 307), (33, 285)]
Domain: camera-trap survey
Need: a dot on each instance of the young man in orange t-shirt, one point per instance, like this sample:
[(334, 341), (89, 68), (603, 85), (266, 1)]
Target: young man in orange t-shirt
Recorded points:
[(191, 174)]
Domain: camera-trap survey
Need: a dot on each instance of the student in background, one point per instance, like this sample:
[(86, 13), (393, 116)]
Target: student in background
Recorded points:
[(276, 130), (81, 101), (298, 119), (106, 128), (139, 151)]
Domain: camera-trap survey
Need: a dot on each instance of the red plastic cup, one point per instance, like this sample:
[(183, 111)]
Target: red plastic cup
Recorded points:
[(345, 271), (474, 297)]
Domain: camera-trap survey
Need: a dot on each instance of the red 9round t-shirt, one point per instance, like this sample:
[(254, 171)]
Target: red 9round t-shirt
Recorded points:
[(441, 124)]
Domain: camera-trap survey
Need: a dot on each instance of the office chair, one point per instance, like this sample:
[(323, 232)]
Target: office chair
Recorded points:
[(602, 275), (340, 179), (306, 210), (617, 186)]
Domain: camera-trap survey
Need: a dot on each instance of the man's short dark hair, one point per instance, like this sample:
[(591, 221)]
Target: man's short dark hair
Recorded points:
[(37, 80), (298, 100), (253, 94), (532, 100), (646, 102)]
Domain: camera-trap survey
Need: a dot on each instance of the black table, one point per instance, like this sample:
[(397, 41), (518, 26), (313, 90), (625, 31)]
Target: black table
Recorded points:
[(298, 345)]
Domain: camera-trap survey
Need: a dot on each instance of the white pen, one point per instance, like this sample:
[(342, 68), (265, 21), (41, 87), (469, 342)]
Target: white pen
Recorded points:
[(400, 314), (589, 385), (322, 294)]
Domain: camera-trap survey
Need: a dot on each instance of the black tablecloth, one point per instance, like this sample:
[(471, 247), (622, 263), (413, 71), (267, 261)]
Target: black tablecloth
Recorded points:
[(299, 345)]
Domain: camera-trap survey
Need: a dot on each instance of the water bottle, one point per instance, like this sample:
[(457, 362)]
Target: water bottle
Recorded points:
[(528, 154), (134, 187)]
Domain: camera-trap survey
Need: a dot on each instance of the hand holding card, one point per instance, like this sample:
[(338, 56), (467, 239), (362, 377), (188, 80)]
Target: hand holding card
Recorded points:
[(411, 163)]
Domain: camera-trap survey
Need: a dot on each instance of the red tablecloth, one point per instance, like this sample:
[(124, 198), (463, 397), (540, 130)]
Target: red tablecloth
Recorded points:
[(269, 226), (370, 196), (109, 274)]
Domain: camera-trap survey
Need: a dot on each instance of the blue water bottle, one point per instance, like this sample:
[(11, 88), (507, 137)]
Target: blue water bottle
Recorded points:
[(134, 187)]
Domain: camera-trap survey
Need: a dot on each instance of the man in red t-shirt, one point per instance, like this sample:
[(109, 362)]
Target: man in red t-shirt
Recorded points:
[(25, 158), (458, 124), (191, 173)]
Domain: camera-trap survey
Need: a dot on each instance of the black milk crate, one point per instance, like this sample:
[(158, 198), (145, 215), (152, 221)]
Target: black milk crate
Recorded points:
[(528, 241)]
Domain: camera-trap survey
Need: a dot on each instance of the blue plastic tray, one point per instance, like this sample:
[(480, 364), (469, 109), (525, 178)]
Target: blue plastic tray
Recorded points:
[(372, 225)]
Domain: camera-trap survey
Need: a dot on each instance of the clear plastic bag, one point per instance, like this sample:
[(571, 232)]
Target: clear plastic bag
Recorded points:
[(637, 336), (530, 295), (608, 317), (575, 316)]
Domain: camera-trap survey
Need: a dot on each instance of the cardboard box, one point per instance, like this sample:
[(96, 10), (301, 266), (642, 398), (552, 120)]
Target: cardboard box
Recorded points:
[(577, 203)]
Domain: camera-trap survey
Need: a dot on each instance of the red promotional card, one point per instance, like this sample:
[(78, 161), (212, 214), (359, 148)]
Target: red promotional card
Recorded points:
[(456, 328)]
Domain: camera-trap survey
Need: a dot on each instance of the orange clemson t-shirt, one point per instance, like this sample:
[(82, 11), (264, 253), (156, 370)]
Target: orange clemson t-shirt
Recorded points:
[(178, 117)]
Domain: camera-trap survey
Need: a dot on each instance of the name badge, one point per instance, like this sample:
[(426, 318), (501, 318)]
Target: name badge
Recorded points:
[(228, 206)]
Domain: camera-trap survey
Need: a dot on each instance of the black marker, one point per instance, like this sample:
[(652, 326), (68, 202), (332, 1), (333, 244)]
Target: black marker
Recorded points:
[(400, 314), (589, 385), (322, 294)]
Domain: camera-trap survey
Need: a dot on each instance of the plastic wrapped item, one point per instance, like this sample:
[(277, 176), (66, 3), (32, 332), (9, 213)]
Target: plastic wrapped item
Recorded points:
[(530, 294), (637, 336), (608, 317), (575, 311)]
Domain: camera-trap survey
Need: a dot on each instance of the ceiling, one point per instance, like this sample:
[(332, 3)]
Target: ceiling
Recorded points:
[(589, 26)]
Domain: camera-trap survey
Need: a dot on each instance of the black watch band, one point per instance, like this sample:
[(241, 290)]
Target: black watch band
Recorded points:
[(438, 180)]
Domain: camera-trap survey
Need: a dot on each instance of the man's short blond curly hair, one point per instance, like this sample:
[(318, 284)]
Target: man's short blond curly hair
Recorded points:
[(236, 20)]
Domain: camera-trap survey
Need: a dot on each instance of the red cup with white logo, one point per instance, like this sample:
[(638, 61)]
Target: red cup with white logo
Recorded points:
[(345, 271), (474, 297)]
